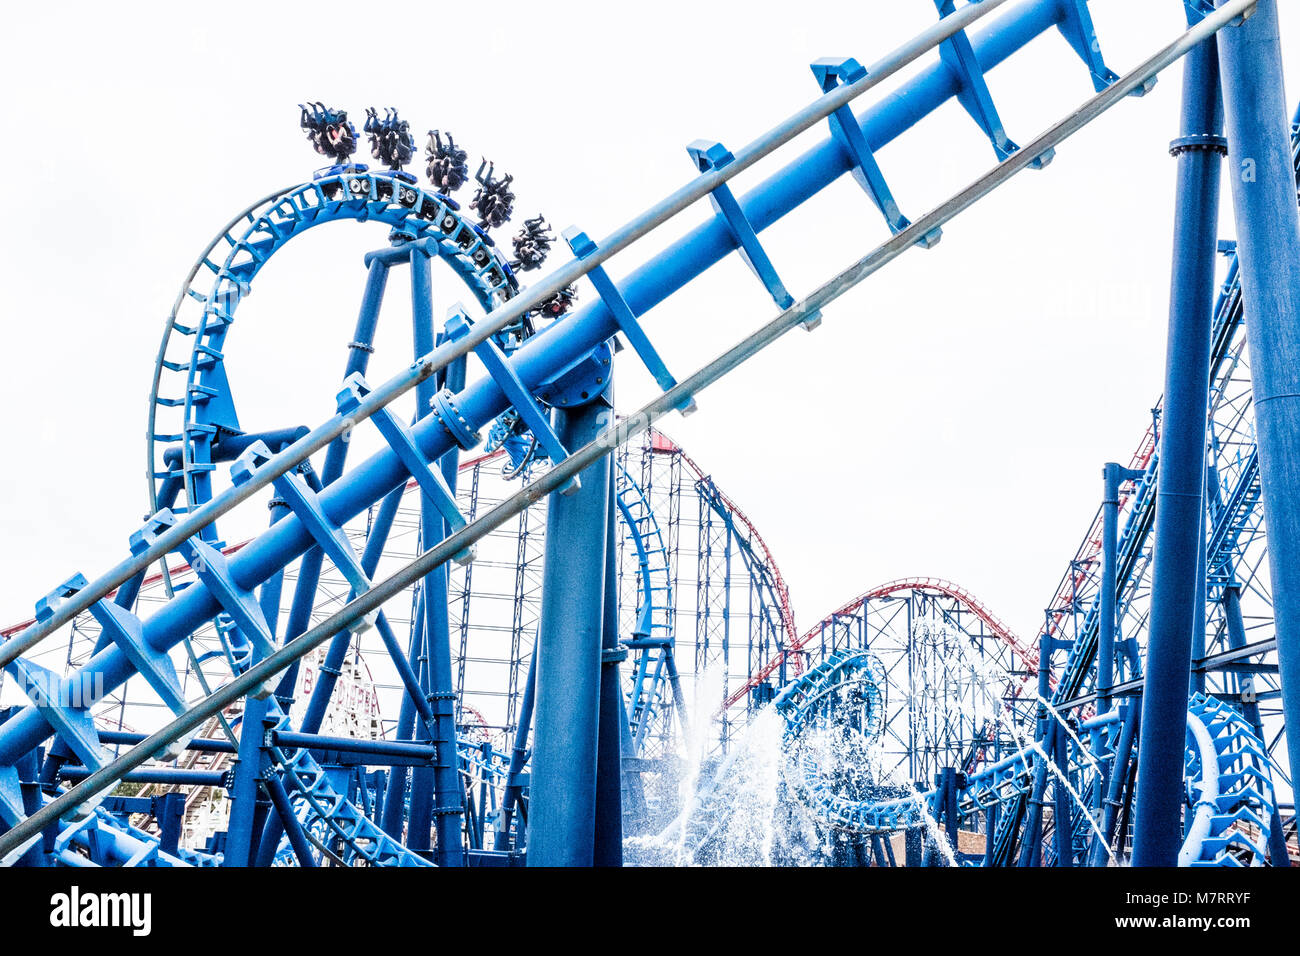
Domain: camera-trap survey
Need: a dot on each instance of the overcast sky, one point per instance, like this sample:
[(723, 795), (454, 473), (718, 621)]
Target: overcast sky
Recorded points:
[(950, 417)]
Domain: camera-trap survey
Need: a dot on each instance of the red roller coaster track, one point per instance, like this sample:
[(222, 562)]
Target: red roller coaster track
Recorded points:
[(1027, 654), (661, 442)]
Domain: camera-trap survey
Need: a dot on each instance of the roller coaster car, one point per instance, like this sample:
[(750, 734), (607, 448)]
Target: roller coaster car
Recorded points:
[(331, 190), (339, 169), (384, 185)]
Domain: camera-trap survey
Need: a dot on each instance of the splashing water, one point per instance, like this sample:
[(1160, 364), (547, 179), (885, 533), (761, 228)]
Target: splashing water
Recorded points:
[(732, 810), (1024, 744), (742, 806)]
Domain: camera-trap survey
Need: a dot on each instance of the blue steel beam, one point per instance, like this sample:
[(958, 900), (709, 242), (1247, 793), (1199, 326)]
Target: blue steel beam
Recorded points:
[(1113, 476), (1179, 537), (567, 342), (562, 806), (608, 848), (446, 801), (381, 472), (1268, 247), (925, 94)]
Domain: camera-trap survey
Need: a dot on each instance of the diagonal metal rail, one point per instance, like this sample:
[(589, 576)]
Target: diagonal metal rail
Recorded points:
[(611, 437), (506, 314)]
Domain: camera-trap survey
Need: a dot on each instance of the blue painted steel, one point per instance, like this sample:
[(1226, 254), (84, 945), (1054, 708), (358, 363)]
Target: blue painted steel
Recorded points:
[(305, 503), (359, 351), (1076, 26), (64, 703), (494, 360), (320, 804), (565, 723), (653, 634), (1197, 685), (335, 654), (1117, 775), (290, 209), (248, 769), (1113, 475), (975, 97), (830, 73), (446, 801), (226, 587), (713, 155), (515, 781), (238, 603), (432, 484), (1179, 538), (607, 849), (293, 829), (1062, 809), (545, 352), (1268, 246), (1229, 787), (583, 248)]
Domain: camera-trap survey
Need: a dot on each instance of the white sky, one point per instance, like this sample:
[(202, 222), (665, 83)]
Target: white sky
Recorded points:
[(950, 417)]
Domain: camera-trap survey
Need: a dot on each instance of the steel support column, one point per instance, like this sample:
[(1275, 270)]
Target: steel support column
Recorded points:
[(1062, 817), (1268, 248), (1109, 552), (609, 757), (1180, 501), (1115, 780), (447, 804), (514, 793), (563, 793)]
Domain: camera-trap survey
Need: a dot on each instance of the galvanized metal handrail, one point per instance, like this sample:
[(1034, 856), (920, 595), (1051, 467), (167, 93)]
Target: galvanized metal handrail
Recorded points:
[(610, 437), (658, 214)]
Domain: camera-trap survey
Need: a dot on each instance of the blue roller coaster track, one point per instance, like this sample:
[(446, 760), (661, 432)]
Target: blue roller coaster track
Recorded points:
[(1156, 719)]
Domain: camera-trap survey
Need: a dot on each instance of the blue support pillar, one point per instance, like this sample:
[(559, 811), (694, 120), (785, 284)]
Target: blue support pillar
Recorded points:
[(169, 812), (946, 781), (1113, 475), (395, 793), (28, 767), (1197, 684), (1061, 801), (1116, 778), (419, 820), (1181, 489), (914, 847), (563, 792), (512, 800), (613, 723), (1268, 248), (247, 770), (284, 811), (244, 822), (1109, 551), (1031, 848), (448, 801)]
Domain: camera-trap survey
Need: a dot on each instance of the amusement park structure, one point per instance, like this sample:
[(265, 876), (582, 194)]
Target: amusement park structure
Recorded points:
[(485, 619)]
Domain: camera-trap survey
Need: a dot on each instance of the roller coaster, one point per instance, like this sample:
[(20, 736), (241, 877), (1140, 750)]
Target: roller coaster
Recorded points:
[(492, 622)]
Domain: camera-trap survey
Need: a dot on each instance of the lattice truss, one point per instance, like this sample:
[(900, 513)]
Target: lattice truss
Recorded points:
[(699, 567), (1238, 599), (954, 688)]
